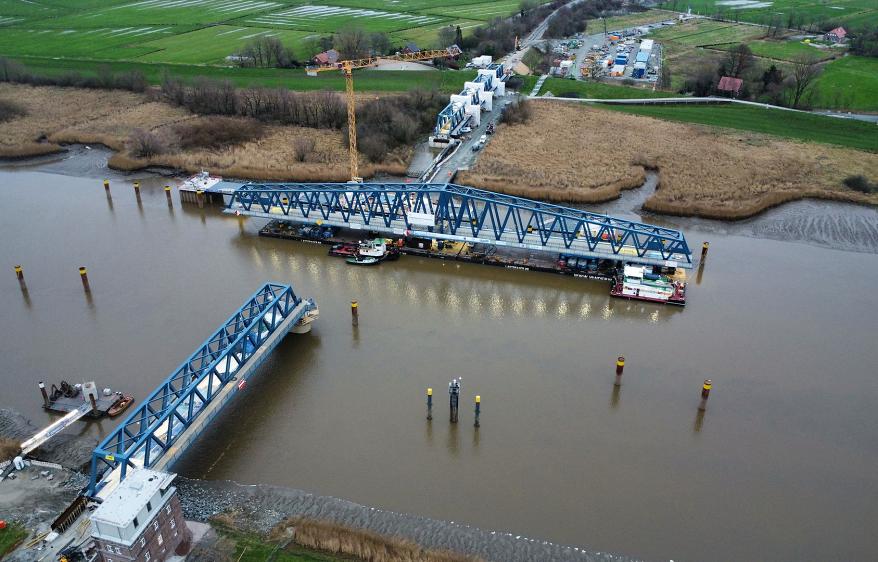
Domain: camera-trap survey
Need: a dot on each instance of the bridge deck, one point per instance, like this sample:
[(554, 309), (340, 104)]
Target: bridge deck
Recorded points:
[(169, 420), (464, 214)]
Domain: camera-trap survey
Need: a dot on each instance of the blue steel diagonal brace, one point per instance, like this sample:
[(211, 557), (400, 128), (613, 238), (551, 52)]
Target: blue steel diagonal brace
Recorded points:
[(490, 218), (148, 432)]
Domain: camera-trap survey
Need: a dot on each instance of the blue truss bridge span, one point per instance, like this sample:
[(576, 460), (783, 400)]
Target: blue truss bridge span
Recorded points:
[(156, 433), (455, 212)]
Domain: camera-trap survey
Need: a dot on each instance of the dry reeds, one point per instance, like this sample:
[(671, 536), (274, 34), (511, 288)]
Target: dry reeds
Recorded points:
[(586, 155), (365, 545), (9, 448)]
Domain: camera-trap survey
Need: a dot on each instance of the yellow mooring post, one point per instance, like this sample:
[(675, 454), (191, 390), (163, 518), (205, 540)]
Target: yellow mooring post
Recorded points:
[(704, 247), (107, 186), (199, 196), (705, 394), (19, 273), (478, 410), (429, 403), (168, 194), (620, 366), (355, 315), (83, 274), (137, 190)]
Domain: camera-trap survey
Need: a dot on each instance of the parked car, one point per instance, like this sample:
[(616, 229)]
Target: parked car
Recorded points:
[(483, 139), (477, 147), (465, 130)]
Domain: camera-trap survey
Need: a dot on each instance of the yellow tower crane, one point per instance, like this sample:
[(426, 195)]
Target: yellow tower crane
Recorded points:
[(347, 67)]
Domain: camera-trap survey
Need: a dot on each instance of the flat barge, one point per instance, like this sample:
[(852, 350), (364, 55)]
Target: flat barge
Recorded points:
[(344, 243), (66, 397)]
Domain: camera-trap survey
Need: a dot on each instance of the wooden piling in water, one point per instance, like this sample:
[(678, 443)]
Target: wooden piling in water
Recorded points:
[(429, 403), (19, 273), (705, 394), (355, 314), (83, 274), (620, 366)]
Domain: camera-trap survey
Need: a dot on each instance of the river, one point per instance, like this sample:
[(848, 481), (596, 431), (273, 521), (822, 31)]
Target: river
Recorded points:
[(782, 319)]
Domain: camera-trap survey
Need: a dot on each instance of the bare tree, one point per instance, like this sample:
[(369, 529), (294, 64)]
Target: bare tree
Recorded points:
[(447, 36), (351, 43), (805, 71), (144, 144), (739, 60), (380, 42)]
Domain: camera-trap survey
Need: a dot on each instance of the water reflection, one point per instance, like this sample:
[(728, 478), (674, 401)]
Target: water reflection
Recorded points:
[(699, 421)]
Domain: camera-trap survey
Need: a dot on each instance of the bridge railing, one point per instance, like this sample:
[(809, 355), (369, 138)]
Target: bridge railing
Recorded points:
[(470, 213), (150, 430)]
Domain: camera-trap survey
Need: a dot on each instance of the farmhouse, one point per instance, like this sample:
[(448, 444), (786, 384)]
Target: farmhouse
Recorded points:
[(837, 35), (730, 86), (326, 57)]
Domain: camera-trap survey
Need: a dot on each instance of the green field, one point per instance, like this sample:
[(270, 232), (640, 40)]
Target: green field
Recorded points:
[(850, 13), (700, 33), (294, 79), (849, 83), (784, 50), (562, 87), (789, 124), (207, 31), (13, 534)]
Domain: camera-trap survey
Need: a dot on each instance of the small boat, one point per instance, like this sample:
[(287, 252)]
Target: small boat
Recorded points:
[(639, 284), (363, 260), (121, 405), (376, 248), (201, 181), (345, 249)]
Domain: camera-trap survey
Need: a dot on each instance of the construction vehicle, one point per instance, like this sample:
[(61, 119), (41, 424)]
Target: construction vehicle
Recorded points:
[(347, 66)]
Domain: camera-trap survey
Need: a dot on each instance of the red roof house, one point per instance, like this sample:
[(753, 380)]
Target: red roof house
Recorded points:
[(730, 85), (837, 35), (327, 57)]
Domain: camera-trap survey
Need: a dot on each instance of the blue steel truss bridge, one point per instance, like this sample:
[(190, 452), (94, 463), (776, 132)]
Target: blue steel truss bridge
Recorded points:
[(163, 426), (442, 211)]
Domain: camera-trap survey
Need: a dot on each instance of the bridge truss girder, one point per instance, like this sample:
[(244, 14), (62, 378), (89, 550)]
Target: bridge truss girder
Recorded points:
[(469, 214)]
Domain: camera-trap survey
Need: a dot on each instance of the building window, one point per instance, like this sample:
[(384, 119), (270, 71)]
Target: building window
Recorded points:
[(142, 542), (168, 509), (161, 540), (155, 525), (147, 556), (136, 522), (148, 506), (109, 548), (173, 524)]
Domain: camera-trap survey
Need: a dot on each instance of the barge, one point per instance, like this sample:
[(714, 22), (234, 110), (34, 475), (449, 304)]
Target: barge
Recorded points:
[(65, 398), (344, 244)]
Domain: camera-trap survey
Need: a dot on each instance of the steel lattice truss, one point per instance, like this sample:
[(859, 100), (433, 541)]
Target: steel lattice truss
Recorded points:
[(150, 430), (464, 213)]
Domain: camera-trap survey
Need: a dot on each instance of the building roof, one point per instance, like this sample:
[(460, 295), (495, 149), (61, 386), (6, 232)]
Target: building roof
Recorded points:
[(729, 84), (131, 495), (327, 57), (838, 32)]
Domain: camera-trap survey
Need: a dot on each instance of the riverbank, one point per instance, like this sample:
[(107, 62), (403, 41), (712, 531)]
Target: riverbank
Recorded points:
[(588, 155), (53, 117)]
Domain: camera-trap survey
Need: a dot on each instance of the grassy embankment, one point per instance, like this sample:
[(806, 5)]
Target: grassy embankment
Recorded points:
[(308, 540), (11, 537), (292, 79), (576, 153), (794, 125)]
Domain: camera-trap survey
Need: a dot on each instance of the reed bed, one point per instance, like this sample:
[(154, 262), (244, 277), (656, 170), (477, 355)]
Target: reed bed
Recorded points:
[(586, 155), (59, 116), (361, 544), (51, 109), (8, 448)]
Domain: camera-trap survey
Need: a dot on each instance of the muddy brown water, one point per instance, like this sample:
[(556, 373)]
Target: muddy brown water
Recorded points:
[(781, 467)]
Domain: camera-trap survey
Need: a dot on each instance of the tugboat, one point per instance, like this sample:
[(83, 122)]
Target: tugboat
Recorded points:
[(121, 405), (344, 249), (637, 283), (370, 252)]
